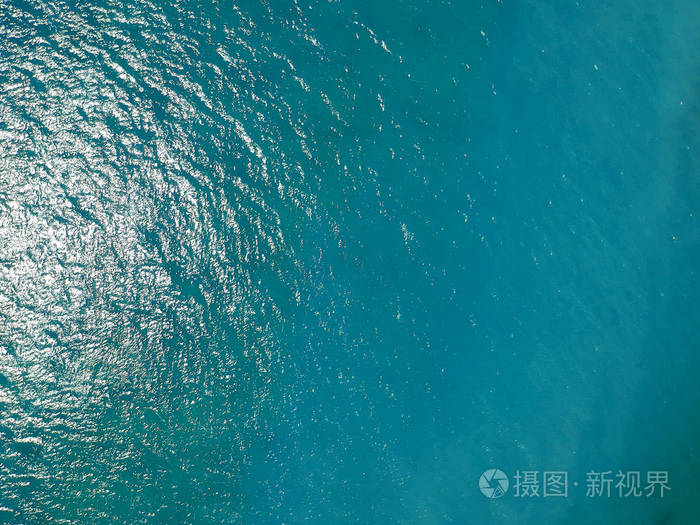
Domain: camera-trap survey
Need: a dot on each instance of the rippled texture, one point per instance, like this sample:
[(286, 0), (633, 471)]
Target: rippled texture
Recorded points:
[(327, 261)]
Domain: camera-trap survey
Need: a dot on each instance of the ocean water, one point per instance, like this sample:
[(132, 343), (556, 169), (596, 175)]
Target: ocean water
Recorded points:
[(300, 261)]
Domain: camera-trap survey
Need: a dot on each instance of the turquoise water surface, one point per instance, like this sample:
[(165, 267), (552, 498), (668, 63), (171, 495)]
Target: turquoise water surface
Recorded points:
[(328, 261)]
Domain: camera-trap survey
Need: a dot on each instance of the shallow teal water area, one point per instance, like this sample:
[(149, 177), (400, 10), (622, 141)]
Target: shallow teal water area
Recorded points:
[(326, 262)]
